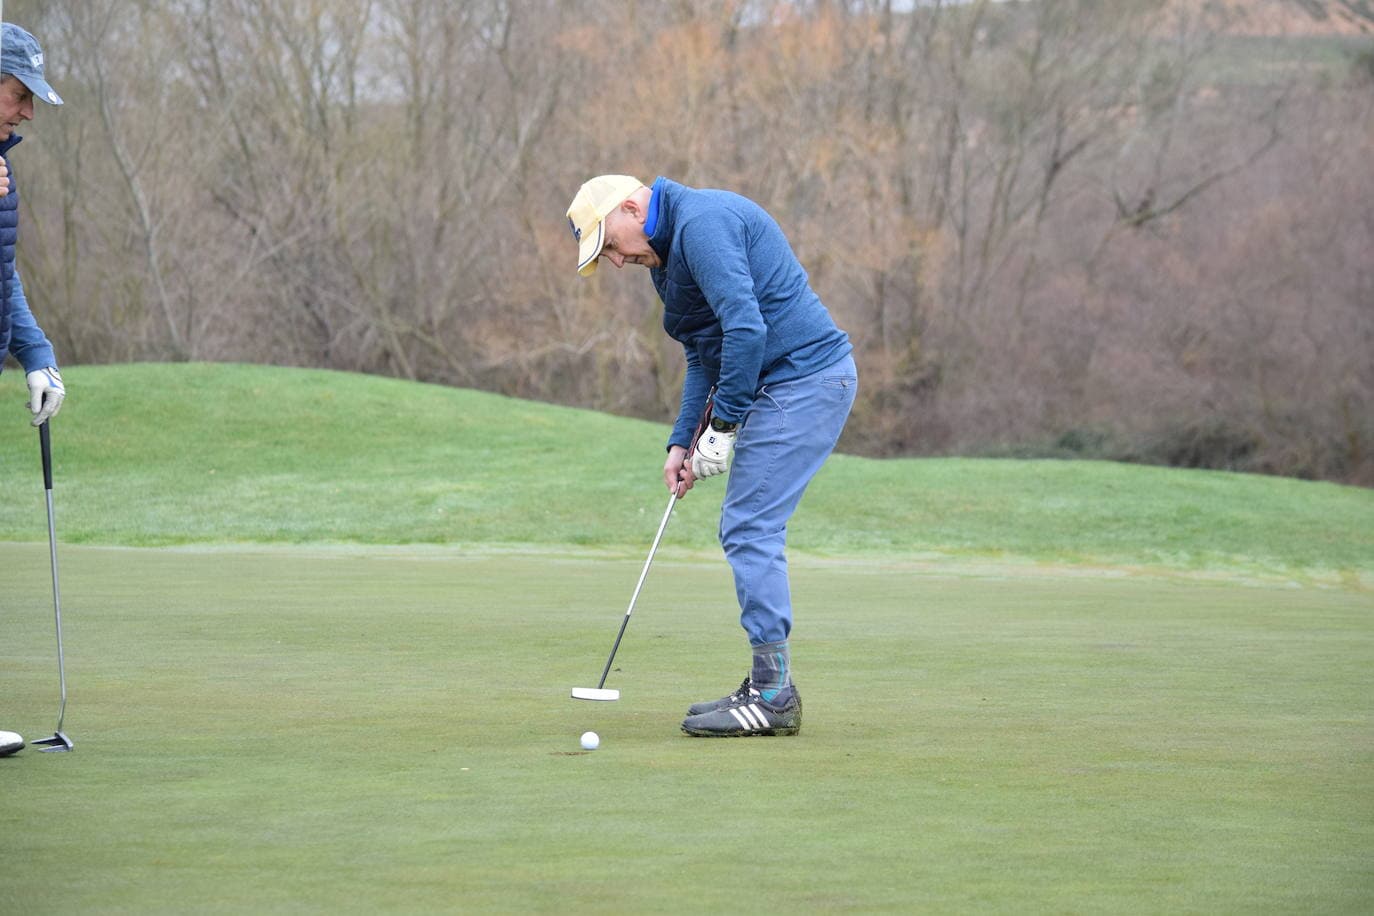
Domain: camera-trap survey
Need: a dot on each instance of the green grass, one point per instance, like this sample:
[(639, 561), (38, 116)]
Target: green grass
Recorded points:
[(1247, 60), (285, 730), (160, 455), (1030, 686)]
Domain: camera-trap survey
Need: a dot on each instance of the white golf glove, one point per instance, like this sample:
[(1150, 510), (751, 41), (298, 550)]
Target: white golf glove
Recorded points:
[(712, 454), (45, 393)]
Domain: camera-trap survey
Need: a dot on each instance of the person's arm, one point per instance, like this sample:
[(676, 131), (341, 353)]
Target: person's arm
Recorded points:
[(30, 346), (715, 246), (696, 387), (28, 343)]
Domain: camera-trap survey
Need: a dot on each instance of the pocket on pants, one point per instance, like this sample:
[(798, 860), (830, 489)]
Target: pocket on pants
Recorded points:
[(839, 381)]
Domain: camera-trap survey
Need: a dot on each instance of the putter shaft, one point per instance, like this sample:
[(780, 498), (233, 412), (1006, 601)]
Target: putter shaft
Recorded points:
[(667, 513), (58, 741), (57, 613)]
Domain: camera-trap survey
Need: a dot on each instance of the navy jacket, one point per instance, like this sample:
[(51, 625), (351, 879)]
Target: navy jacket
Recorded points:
[(19, 333), (736, 298)]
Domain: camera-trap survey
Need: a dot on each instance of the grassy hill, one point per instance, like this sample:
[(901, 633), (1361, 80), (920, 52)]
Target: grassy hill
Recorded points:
[(174, 454)]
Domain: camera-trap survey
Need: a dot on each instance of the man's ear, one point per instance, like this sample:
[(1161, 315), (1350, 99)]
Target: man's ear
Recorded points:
[(632, 207)]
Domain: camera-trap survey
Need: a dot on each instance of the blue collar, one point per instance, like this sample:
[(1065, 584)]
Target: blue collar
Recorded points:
[(651, 218)]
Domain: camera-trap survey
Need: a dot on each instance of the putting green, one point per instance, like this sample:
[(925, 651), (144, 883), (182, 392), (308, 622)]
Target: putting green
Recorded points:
[(367, 729)]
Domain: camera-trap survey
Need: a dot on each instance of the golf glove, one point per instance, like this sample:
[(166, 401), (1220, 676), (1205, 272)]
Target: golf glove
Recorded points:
[(46, 393), (712, 454)]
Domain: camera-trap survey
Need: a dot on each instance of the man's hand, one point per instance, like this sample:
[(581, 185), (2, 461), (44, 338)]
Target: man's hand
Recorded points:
[(46, 393), (4, 178), (712, 454), (677, 471)]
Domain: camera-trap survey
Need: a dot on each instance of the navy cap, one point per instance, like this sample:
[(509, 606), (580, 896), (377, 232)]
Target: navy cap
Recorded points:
[(22, 57)]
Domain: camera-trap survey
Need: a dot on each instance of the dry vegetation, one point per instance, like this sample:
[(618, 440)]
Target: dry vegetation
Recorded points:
[(1133, 229)]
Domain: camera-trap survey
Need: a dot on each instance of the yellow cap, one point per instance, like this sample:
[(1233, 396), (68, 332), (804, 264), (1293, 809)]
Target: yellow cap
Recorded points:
[(589, 208)]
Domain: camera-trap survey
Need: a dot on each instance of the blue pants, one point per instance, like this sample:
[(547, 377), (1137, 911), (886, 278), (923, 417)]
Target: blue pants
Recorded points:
[(789, 431)]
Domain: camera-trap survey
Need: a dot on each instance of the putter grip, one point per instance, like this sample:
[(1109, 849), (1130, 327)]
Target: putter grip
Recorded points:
[(45, 442), (701, 424)]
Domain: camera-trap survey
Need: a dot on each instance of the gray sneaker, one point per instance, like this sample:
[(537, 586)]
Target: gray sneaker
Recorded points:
[(752, 715), (733, 699)]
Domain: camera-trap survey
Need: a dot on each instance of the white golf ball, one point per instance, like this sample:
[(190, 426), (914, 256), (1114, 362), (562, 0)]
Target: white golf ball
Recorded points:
[(590, 740)]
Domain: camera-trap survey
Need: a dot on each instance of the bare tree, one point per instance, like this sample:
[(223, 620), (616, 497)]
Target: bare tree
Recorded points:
[(1048, 227)]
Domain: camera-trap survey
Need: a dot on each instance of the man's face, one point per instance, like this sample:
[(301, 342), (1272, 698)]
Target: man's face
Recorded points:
[(16, 106), (626, 242)]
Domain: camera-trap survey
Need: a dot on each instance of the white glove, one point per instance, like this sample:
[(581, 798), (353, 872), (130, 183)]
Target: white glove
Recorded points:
[(45, 393), (712, 454)]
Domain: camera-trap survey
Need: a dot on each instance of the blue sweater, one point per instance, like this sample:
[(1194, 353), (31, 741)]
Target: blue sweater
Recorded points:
[(19, 333), (736, 298)]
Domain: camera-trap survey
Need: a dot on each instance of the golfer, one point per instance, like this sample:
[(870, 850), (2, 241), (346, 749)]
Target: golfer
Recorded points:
[(21, 81), (752, 329)]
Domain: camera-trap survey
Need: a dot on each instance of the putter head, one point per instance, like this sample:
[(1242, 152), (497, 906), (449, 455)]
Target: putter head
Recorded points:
[(58, 742), (595, 693)]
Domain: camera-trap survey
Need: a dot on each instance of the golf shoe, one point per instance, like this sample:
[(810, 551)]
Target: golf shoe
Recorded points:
[(750, 715), (741, 693)]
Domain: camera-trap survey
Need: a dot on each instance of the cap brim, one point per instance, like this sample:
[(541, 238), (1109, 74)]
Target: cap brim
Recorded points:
[(41, 90), (589, 249)]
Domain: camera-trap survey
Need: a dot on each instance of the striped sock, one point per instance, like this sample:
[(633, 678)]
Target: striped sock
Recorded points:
[(772, 669)]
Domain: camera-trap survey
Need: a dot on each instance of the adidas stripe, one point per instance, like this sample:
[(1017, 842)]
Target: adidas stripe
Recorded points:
[(750, 717)]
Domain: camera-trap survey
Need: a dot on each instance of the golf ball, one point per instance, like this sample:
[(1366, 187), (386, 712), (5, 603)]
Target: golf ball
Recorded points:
[(590, 740)]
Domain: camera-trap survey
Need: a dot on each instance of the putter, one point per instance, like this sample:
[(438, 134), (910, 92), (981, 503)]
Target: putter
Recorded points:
[(600, 691), (59, 741)]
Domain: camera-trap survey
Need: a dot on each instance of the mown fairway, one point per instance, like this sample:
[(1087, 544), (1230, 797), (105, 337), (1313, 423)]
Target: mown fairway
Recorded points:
[(992, 724)]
